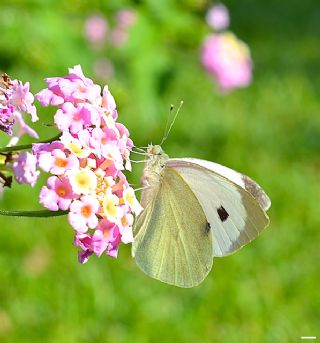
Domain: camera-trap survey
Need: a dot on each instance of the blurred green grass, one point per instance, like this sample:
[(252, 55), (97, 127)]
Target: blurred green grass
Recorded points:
[(267, 292)]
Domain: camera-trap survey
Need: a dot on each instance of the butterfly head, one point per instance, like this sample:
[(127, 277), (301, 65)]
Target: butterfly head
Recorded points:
[(156, 160), (155, 150)]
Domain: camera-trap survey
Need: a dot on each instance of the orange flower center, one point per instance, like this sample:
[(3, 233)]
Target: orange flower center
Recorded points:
[(61, 192), (86, 211), (124, 221), (61, 162)]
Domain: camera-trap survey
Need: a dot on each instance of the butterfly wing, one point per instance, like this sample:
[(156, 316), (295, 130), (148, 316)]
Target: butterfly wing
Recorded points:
[(235, 209), (172, 241)]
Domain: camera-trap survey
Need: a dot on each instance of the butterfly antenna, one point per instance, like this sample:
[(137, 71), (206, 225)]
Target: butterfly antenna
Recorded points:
[(167, 124), (167, 130)]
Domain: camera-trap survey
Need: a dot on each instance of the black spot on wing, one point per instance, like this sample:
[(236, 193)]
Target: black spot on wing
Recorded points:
[(223, 214), (208, 227)]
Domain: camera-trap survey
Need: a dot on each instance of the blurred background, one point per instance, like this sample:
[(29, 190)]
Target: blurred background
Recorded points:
[(267, 292)]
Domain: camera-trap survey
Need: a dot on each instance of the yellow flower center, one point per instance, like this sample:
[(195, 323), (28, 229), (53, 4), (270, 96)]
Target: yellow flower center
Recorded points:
[(110, 203), (74, 148), (110, 208), (129, 198), (83, 180)]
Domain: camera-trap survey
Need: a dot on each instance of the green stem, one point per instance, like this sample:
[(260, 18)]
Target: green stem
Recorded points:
[(28, 146), (33, 214)]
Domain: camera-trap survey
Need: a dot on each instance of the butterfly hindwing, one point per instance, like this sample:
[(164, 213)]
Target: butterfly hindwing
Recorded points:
[(235, 214), (173, 242)]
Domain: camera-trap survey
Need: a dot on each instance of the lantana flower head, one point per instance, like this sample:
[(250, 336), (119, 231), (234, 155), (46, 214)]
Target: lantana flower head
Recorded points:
[(87, 164)]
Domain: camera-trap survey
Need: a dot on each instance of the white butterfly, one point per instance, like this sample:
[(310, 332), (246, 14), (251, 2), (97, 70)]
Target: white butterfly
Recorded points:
[(194, 210)]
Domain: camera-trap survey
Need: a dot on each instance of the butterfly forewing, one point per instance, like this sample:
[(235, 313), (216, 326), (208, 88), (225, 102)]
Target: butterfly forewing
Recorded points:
[(243, 181), (233, 212), (173, 242)]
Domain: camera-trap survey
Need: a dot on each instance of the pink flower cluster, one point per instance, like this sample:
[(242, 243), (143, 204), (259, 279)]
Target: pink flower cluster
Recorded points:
[(87, 164), (223, 55), (228, 60), (15, 98)]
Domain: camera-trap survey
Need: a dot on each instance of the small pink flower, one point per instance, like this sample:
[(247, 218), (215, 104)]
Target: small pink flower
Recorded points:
[(47, 97), (83, 212), (126, 228), (96, 28), (228, 60), (113, 246), (104, 144), (72, 118), (83, 240), (57, 194), (107, 234), (108, 103), (25, 169), (57, 162), (218, 17), (22, 99)]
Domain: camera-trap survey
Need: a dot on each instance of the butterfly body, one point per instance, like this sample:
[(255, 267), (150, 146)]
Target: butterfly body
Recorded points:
[(193, 210)]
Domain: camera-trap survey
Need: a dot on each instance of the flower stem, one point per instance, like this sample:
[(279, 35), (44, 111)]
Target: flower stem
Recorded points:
[(28, 146), (33, 214)]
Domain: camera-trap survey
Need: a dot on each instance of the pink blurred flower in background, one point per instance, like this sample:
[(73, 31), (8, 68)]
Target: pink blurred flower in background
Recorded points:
[(119, 36), (126, 18), (96, 29), (103, 69), (218, 17), (228, 59)]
